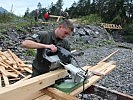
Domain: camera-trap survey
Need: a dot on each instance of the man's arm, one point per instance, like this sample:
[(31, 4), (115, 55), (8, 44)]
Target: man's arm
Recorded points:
[(35, 45)]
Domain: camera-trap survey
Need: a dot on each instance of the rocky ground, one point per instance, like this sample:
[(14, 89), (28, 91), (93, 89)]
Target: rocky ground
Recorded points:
[(92, 43), (120, 79)]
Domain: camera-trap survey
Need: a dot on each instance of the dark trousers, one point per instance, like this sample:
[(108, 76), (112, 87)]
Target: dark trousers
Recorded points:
[(36, 72)]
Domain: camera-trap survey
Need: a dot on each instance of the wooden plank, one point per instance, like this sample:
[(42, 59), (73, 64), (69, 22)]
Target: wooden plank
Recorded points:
[(34, 95), (9, 57), (3, 57), (43, 97), (103, 67), (111, 26), (3, 71), (6, 73), (91, 81), (27, 69), (54, 16), (58, 95), (0, 81), (9, 62), (20, 81), (31, 85), (96, 66), (3, 64), (108, 56), (58, 19), (6, 65), (108, 70), (6, 81), (18, 61), (11, 74)]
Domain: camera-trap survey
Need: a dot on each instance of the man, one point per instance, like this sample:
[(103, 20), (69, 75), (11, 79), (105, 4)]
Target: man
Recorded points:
[(46, 16), (48, 40), (36, 13)]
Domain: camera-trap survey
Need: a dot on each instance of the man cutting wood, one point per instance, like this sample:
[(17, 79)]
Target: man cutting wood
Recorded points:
[(48, 40)]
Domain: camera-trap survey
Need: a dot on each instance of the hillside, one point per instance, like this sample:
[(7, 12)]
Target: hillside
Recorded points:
[(2, 10)]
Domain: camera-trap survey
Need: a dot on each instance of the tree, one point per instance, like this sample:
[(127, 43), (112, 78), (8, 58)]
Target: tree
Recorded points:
[(52, 9), (73, 10), (39, 6), (58, 6), (27, 12)]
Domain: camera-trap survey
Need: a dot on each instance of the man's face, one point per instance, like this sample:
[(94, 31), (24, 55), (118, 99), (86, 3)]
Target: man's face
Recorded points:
[(63, 32)]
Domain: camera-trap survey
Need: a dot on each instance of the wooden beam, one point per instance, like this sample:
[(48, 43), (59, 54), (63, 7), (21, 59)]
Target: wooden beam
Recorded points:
[(108, 56), (58, 19), (54, 16), (33, 96), (44, 97), (20, 81), (91, 81), (58, 95), (0, 81), (31, 85)]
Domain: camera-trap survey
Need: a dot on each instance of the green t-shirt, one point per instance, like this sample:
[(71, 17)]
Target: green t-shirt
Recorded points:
[(46, 37)]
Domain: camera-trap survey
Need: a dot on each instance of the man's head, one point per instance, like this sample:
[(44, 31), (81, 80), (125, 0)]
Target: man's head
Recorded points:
[(64, 29)]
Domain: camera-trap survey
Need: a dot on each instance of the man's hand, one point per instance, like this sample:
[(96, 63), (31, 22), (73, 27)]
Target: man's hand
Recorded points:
[(52, 47)]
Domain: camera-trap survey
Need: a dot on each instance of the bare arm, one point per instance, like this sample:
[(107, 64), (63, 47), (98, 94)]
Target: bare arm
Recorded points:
[(35, 45)]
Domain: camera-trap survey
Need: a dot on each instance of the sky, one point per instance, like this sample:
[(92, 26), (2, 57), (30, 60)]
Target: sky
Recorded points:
[(19, 6)]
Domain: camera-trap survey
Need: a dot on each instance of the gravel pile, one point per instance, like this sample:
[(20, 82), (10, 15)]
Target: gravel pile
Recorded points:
[(120, 79)]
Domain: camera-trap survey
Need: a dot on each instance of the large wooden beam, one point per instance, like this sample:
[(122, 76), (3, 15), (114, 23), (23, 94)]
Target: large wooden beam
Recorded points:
[(30, 86), (58, 95)]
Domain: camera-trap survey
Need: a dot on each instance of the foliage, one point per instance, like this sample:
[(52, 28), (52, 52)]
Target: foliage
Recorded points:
[(129, 38), (91, 19), (129, 35), (30, 52), (129, 28), (56, 9), (105, 42), (17, 23), (2, 37), (117, 20), (6, 17)]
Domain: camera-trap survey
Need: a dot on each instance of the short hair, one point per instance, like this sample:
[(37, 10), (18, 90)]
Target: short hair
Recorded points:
[(67, 24)]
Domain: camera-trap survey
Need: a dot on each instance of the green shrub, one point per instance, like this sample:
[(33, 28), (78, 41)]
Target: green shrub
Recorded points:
[(129, 36), (129, 28), (30, 52), (5, 17), (91, 19)]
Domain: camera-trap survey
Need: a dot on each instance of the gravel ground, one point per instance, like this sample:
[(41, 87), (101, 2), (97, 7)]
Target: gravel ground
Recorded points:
[(120, 79)]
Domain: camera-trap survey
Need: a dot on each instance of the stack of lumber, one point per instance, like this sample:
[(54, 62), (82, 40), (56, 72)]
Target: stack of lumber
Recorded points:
[(11, 68), (40, 87)]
